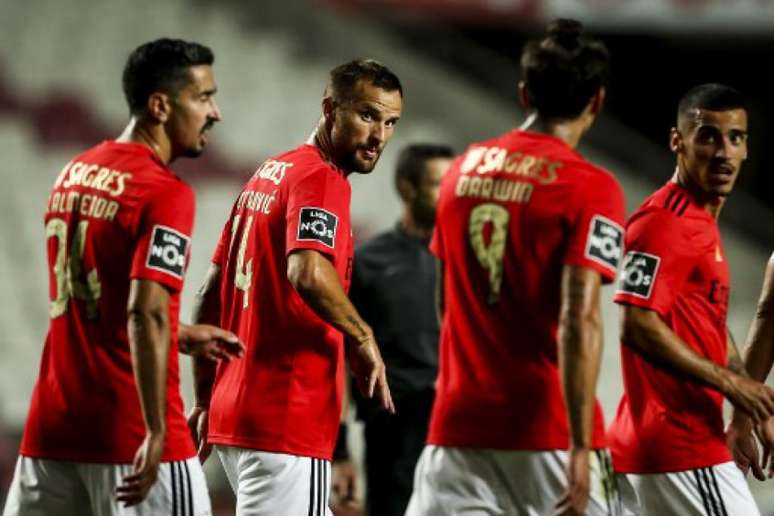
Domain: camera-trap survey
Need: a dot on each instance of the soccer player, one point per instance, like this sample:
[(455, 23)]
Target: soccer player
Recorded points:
[(106, 432), (393, 285), (279, 278), (526, 232), (678, 358)]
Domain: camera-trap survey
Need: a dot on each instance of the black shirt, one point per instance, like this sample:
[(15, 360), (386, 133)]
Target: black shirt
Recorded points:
[(393, 289)]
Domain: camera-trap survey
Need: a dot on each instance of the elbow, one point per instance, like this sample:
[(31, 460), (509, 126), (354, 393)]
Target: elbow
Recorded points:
[(303, 276), (145, 316), (580, 327), (634, 325)]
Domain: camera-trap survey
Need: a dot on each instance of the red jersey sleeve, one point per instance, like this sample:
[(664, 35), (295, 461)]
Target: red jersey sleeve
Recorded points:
[(317, 211), (164, 236), (596, 231), (436, 243), (223, 246), (659, 259)]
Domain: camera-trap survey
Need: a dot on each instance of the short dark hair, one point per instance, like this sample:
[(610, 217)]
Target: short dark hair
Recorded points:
[(564, 70), (412, 159), (711, 97), (344, 78), (161, 65)]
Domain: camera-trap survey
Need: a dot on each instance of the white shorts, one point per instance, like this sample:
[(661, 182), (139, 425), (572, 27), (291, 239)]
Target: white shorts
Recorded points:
[(481, 482), (42, 487), (267, 483), (719, 490)]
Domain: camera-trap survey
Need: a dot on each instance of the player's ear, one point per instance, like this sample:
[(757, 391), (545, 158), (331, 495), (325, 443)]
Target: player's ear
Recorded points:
[(676, 143), (159, 106), (329, 109), (406, 190)]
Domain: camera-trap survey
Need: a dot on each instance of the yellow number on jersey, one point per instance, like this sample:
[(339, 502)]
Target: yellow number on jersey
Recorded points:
[(490, 256), (67, 271), (242, 280)]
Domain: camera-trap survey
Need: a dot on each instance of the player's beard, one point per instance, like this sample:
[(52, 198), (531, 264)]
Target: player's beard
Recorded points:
[(354, 164), (424, 213)]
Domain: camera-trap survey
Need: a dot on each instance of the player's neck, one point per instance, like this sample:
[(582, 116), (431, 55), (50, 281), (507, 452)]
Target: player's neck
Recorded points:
[(322, 140), (711, 203), (569, 131), (412, 228), (152, 137)]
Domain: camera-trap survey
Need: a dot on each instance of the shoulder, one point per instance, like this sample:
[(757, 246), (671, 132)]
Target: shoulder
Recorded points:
[(596, 178)]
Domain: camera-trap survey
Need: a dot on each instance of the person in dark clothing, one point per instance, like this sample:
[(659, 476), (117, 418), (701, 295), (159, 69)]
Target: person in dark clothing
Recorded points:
[(394, 283)]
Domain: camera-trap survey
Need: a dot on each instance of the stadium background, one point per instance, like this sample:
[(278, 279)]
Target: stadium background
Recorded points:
[(60, 66)]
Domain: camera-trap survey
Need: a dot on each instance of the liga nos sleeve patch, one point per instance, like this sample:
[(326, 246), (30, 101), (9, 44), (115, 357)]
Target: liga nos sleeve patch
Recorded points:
[(638, 274), (316, 224), (167, 251), (605, 241)]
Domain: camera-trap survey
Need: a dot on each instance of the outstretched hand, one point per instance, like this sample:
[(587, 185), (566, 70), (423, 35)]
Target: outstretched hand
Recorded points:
[(210, 342)]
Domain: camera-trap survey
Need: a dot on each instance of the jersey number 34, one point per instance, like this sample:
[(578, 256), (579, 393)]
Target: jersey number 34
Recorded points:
[(68, 270)]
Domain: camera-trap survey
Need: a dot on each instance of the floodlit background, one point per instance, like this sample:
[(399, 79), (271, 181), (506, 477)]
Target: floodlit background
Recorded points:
[(60, 93)]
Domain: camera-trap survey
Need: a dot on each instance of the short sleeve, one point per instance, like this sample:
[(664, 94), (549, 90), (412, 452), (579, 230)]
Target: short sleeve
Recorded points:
[(596, 227), (164, 236), (317, 214), (659, 259)]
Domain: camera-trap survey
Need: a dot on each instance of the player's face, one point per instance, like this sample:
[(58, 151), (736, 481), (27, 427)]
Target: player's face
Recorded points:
[(711, 148), (194, 112), (363, 125), (424, 203)]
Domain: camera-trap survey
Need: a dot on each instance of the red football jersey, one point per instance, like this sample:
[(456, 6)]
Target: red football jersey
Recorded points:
[(513, 211), (675, 266), (115, 213), (285, 394)]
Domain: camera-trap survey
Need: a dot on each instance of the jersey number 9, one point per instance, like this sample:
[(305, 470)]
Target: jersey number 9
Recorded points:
[(490, 255)]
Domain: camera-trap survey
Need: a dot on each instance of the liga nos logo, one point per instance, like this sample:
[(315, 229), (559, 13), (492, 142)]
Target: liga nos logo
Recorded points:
[(639, 274), (605, 241), (167, 251), (318, 225)]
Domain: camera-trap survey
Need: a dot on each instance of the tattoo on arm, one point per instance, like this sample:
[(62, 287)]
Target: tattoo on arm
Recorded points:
[(357, 325)]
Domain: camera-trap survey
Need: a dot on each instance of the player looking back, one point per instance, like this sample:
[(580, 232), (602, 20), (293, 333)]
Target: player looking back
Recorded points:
[(526, 232), (106, 413), (678, 358), (279, 278)]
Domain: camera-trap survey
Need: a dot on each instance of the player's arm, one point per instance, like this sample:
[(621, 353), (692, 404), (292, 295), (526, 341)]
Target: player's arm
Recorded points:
[(646, 333), (758, 359), (206, 310), (149, 337), (315, 279), (580, 349), (759, 352)]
